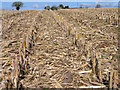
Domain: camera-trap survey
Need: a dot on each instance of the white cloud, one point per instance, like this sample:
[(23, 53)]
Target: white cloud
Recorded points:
[(35, 6)]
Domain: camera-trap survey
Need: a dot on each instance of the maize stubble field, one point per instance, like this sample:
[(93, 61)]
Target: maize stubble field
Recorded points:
[(60, 49)]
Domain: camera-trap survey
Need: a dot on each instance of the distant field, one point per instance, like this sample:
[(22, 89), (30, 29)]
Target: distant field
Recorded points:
[(72, 48)]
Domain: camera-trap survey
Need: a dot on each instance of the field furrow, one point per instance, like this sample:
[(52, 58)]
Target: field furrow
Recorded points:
[(60, 49)]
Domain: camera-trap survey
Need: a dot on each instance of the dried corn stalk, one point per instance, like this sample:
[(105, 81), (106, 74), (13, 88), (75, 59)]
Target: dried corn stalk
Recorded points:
[(94, 64), (115, 79), (111, 78)]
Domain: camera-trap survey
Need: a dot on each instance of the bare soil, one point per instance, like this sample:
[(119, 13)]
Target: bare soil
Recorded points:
[(54, 60)]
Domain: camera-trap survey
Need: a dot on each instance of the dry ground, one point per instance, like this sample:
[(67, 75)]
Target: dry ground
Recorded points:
[(55, 61)]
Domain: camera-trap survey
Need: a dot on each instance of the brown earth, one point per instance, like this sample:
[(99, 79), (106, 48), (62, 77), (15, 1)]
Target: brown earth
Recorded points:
[(54, 60)]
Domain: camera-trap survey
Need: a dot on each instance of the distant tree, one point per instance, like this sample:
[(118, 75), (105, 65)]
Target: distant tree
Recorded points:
[(66, 7), (86, 7), (81, 6), (98, 6), (119, 4), (47, 8), (54, 8), (17, 4), (61, 6)]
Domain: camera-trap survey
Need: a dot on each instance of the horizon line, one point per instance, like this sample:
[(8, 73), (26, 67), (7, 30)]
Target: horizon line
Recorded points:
[(64, 1)]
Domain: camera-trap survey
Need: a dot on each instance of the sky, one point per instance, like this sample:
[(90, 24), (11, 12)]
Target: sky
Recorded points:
[(61, 0)]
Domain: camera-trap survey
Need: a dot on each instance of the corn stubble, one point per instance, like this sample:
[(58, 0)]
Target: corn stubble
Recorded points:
[(75, 61)]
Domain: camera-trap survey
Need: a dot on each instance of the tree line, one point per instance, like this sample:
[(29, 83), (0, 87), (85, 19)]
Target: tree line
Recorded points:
[(56, 8), (19, 4)]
